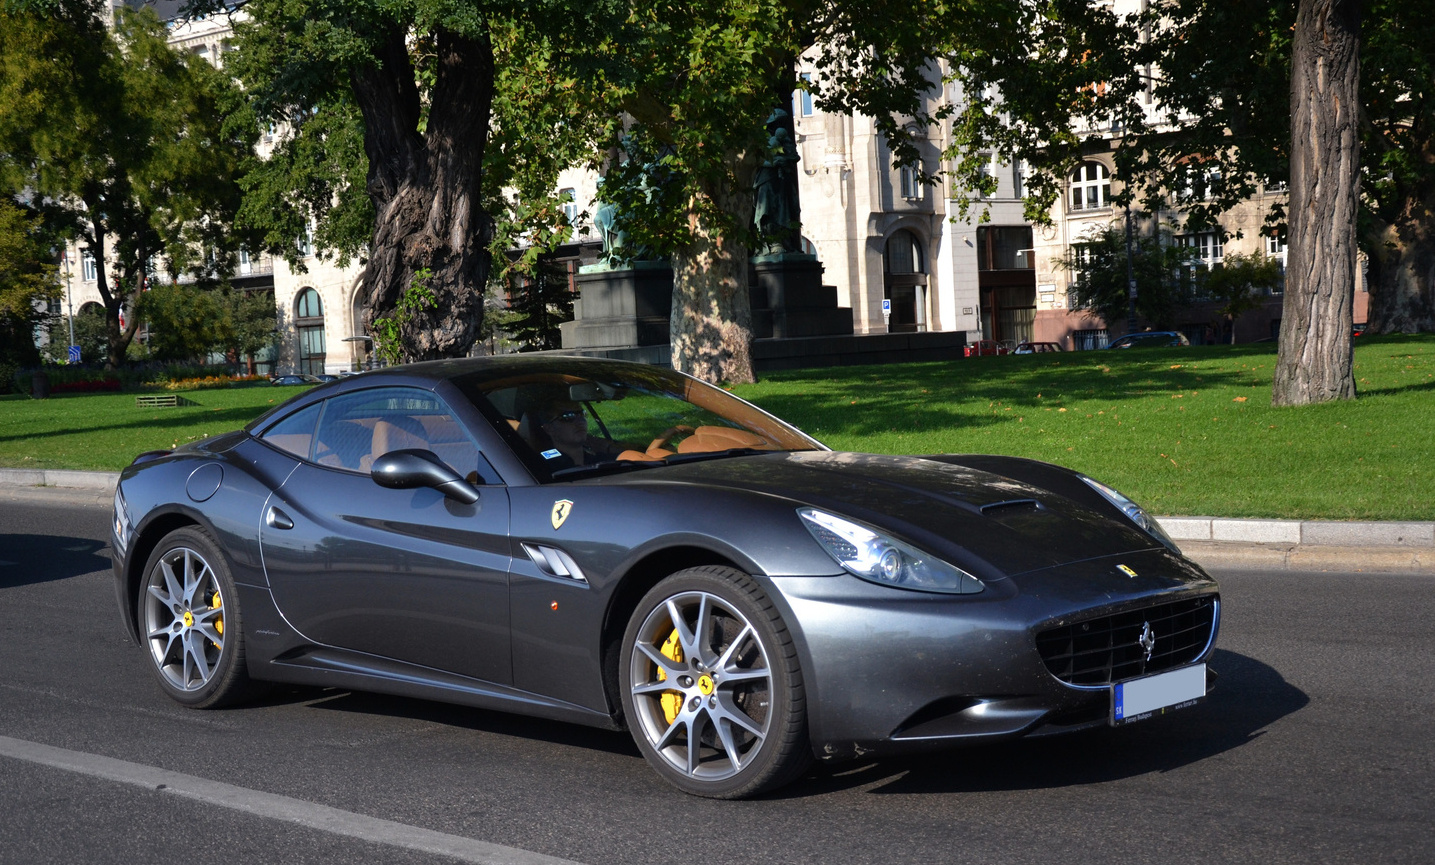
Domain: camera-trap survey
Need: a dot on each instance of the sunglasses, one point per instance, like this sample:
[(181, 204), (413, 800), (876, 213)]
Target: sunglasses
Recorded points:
[(568, 416)]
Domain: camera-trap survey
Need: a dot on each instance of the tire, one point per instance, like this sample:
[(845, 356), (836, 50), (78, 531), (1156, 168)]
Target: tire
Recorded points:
[(190, 625), (735, 725)]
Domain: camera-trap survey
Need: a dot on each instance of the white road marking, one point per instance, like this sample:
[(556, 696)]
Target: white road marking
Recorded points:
[(275, 807)]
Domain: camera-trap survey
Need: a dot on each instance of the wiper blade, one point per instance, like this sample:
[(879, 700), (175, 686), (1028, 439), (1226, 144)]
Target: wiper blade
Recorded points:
[(698, 456), (603, 468)]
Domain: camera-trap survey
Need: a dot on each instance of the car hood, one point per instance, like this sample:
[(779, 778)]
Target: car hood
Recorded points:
[(989, 524)]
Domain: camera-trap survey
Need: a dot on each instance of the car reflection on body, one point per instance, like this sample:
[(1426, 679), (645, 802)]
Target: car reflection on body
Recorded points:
[(623, 546)]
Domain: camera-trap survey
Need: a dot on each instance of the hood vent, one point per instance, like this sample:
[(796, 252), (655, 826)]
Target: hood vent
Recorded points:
[(1011, 506)]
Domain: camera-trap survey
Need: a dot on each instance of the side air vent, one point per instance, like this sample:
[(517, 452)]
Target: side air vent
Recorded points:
[(553, 562)]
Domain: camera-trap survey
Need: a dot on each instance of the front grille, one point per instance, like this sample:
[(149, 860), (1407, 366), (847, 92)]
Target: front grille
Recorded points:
[(1101, 651)]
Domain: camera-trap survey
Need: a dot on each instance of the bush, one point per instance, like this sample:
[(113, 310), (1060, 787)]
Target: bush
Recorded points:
[(9, 372)]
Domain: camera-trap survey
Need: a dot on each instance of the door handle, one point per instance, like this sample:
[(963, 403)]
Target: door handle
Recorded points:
[(277, 519)]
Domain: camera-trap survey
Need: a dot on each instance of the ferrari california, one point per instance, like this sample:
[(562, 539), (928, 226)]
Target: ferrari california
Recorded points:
[(623, 546)]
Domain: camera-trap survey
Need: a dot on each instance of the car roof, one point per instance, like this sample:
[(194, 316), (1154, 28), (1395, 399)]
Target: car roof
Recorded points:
[(428, 374)]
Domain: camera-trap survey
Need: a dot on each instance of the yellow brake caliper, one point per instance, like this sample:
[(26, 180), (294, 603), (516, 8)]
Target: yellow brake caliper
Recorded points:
[(218, 620), (672, 700)]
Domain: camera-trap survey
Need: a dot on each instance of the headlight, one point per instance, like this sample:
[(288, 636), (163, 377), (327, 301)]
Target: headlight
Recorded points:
[(877, 558), (1133, 512)]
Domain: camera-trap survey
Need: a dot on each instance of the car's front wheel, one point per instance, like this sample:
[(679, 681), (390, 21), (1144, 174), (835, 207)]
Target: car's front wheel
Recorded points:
[(712, 688), (189, 620)]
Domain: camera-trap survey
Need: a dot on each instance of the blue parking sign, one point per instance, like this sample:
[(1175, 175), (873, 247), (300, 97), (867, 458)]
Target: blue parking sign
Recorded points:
[(74, 354), (886, 307)]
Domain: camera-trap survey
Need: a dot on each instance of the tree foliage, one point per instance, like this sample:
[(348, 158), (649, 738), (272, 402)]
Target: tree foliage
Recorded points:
[(28, 282), (121, 141), (1162, 271), (541, 302), (1241, 283)]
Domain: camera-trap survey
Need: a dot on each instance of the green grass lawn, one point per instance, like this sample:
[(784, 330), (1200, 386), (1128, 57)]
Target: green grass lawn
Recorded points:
[(1183, 431)]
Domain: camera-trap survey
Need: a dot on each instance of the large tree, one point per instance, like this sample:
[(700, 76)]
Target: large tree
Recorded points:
[(1202, 94), (120, 140), (396, 132)]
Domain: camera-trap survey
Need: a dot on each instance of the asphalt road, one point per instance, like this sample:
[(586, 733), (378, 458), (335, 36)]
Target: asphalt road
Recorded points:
[(1316, 747)]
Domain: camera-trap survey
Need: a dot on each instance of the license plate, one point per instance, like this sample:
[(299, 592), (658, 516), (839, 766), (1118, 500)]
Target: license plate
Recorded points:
[(1150, 696)]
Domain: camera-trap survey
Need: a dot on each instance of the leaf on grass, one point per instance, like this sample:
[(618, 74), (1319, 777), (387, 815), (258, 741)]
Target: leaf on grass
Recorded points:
[(1239, 399)]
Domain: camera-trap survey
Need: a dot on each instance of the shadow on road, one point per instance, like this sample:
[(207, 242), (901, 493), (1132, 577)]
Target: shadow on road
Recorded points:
[(1249, 697), (452, 715), (29, 559)]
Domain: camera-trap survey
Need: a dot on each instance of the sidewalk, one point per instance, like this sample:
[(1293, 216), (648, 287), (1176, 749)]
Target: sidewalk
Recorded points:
[(1213, 542)]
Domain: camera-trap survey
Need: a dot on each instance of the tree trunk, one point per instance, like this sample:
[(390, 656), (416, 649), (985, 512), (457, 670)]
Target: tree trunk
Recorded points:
[(1402, 272), (1315, 362), (711, 323), (427, 190), (117, 339)]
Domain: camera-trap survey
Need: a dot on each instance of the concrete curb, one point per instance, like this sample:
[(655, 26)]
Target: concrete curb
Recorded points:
[(1300, 532), (1212, 542), (59, 478)]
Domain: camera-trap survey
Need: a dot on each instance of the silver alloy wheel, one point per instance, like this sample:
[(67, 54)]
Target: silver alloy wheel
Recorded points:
[(718, 688), (184, 619)]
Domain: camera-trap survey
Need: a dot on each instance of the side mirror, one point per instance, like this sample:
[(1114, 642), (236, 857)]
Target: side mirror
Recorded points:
[(411, 469)]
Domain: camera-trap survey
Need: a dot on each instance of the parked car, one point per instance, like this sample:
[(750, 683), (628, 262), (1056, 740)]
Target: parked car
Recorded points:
[(620, 545), (1036, 347), (290, 378), (984, 347), (320, 378), (1150, 339)]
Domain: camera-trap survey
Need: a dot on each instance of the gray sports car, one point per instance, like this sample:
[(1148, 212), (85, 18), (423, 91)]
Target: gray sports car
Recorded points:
[(623, 546)]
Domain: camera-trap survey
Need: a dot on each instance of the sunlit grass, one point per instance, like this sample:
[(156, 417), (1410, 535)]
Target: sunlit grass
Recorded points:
[(1183, 431)]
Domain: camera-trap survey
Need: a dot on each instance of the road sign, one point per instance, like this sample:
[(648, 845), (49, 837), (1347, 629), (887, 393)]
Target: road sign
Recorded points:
[(74, 354), (886, 306)]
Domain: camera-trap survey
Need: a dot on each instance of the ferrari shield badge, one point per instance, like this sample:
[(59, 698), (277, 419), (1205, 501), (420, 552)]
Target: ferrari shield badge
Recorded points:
[(1122, 568), (561, 509)]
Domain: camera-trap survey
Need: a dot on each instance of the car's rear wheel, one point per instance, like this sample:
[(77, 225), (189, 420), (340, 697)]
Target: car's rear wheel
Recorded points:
[(189, 622), (712, 688)]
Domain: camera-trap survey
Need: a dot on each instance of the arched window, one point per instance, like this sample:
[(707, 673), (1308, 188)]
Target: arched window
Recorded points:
[(308, 305), (904, 254), (309, 321), (1090, 186)]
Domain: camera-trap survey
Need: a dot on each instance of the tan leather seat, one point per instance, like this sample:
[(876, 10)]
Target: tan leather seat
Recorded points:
[(394, 433)]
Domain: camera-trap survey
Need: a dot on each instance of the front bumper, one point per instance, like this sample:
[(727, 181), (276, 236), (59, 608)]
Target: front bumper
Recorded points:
[(889, 670)]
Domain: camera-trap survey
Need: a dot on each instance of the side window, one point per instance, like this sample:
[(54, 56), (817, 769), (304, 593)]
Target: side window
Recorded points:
[(294, 433), (359, 427)]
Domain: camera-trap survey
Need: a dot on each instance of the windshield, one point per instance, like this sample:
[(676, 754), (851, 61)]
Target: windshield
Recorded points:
[(577, 418)]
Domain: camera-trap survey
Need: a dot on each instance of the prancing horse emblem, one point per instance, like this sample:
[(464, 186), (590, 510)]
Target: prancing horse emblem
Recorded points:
[(1125, 570), (1147, 640), (561, 509)]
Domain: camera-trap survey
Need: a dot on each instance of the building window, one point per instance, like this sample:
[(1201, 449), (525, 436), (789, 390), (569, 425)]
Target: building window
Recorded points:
[(306, 242), (1004, 248), (911, 188), (569, 197), (989, 169), (904, 254), (804, 97), (1018, 178), (1207, 245), (1276, 248), (309, 321), (1090, 187), (88, 270), (1088, 340)]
